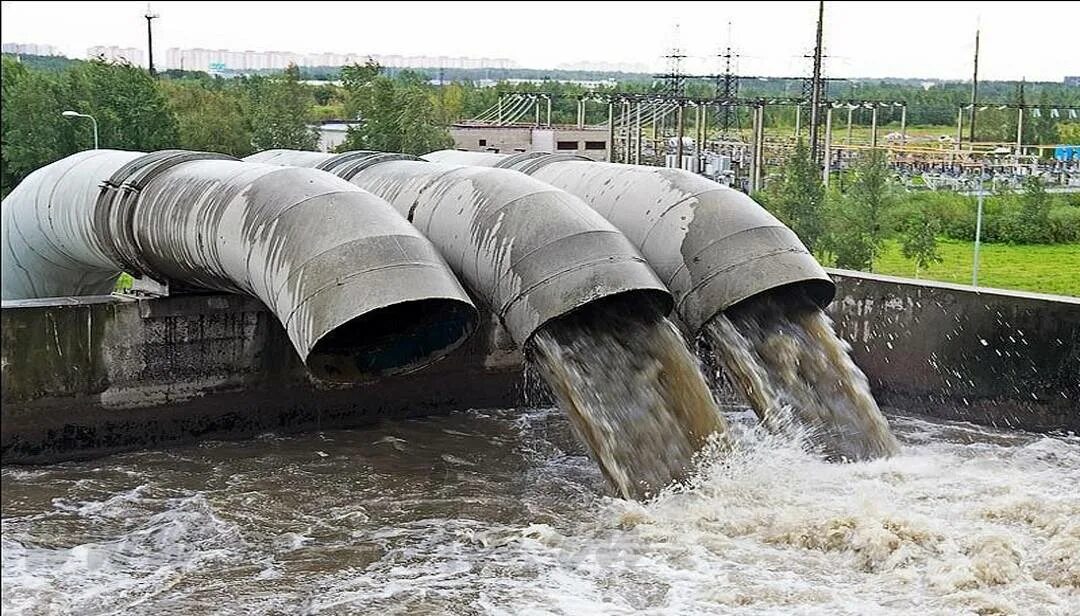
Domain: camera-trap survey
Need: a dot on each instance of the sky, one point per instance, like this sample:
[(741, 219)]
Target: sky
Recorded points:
[(1032, 40)]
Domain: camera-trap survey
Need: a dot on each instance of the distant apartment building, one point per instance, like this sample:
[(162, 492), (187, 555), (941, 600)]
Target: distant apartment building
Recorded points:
[(113, 53), (31, 49), (199, 59)]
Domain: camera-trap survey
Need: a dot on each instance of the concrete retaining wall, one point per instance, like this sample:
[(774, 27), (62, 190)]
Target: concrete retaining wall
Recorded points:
[(1001, 358), (89, 376), (95, 375)]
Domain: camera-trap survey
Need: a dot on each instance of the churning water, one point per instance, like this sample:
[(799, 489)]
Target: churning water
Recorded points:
[(634, 394), (782, 353), (504, 513)]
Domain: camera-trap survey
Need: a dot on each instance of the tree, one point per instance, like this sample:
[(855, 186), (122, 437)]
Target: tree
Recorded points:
[(397, 114), (129, 106), (856, 230), (918, 238), (1031, 222), (452, 102), (209, 120), (33, 131), (1068, 132), (799, 197), (419, 124), (280, 108), (356, 79)]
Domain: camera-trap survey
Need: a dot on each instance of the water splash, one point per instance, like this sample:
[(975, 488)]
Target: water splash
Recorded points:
[(782, 353), (634, 394)]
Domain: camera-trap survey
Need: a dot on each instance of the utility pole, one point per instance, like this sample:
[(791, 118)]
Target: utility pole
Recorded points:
[(1020, 124), (974, 90), (978, 229), (150, 17), (815, 87)]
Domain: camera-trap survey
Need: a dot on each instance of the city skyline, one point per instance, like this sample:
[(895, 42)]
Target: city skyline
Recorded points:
[(861, 39)]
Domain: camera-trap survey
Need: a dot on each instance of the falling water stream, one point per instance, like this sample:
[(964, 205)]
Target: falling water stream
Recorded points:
[(634, 394), (782, 353)]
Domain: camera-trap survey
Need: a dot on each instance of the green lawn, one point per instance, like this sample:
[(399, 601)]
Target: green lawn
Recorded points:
[(1053, 268)]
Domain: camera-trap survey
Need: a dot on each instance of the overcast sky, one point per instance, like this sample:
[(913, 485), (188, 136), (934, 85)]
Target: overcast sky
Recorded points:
[(1036, 40)]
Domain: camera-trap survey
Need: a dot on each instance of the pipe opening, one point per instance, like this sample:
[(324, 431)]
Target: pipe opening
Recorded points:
[(392, 340), (642, 304), (820, 292)]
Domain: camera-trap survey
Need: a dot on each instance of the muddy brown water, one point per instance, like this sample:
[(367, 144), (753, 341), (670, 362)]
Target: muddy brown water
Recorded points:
[(504, 512)]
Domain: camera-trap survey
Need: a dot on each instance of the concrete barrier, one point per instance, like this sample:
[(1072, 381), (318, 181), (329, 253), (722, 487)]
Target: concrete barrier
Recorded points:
[(87, 376), (1001, 358), (93, 375)]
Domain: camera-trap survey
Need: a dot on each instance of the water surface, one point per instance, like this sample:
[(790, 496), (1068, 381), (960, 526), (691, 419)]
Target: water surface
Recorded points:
[(503, 512)]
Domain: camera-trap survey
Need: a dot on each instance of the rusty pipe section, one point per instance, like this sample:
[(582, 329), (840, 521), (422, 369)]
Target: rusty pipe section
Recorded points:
[(713, 246), (359, 290), (533, 252)]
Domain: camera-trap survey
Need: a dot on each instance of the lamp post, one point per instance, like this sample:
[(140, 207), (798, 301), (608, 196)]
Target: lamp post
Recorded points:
[(76, 114), (978, 230)]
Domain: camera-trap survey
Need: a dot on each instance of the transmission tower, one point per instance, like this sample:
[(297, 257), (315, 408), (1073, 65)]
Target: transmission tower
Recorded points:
[(727, 88)]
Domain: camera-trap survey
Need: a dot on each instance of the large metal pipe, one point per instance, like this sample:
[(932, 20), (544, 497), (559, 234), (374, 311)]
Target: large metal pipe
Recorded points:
[(711, 245), (531, 251), (359, 291)]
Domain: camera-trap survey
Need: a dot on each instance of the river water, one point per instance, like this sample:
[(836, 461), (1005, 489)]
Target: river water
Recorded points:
[(503, 512)]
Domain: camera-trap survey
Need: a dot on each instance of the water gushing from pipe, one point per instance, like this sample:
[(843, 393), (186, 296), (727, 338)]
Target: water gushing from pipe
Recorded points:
[(782, 354), (634, 393)]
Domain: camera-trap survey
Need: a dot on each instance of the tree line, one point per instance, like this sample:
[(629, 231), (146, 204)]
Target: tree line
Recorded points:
[(398, 110), (196, 111)]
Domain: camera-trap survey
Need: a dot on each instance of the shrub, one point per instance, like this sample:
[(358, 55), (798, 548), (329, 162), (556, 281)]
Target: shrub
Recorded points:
[(1064, 225)]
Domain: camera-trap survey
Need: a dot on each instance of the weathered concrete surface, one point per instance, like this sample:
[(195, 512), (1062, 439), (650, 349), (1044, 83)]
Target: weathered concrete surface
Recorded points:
[(1003, 358), (96, 375)]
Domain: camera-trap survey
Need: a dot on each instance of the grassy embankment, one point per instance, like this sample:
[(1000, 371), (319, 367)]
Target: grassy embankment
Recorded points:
[(1043, 268)]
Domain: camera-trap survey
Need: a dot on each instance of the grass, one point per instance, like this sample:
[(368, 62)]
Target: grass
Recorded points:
[(1050, 268), (123, 283)]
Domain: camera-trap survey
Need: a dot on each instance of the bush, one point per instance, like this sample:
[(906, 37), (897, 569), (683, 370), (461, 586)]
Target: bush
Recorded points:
[(1064, 224), (1026, 218), (1029, 222)]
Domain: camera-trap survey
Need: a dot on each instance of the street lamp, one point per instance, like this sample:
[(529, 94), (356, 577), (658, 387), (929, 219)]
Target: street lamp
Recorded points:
[(76, 114)]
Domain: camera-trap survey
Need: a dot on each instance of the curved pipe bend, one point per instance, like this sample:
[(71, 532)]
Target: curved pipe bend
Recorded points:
[(533, 252), (712, 246), (359, 291)]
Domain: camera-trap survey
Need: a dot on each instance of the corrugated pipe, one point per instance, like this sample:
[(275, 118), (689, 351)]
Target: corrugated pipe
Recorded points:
[(711, 245), (533, 252), (359, 290)]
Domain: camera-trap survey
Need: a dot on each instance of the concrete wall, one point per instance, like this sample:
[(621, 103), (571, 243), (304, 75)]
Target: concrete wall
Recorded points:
[(94, 375), (1002, 358), (505, 139), (580, 137)]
